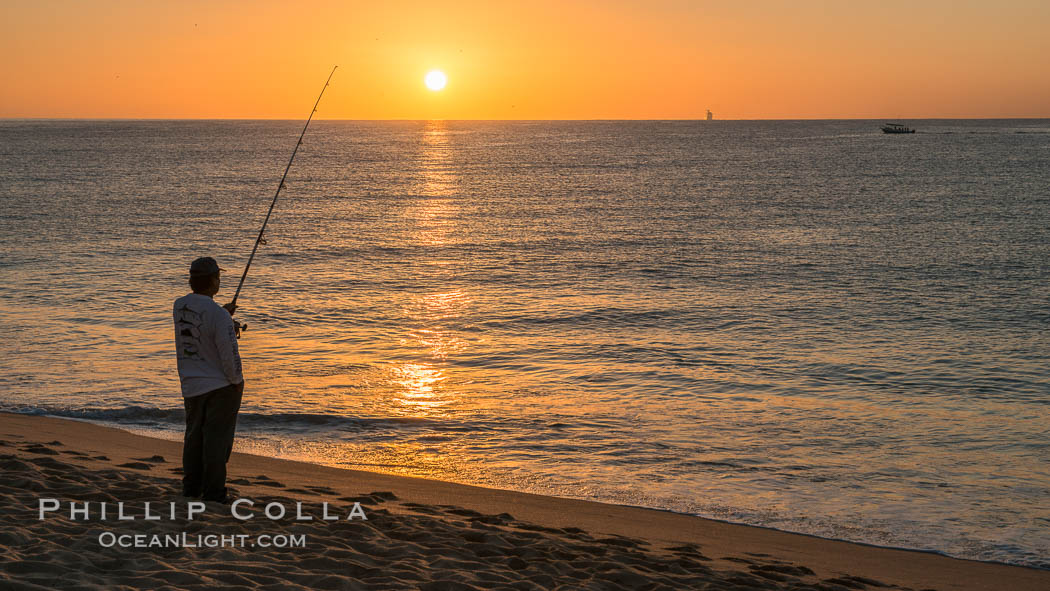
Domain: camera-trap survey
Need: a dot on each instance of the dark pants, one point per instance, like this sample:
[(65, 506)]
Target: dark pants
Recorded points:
[(211, 420)]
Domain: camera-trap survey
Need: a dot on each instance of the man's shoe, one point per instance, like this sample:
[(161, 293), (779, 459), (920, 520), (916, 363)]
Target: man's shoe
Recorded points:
[(228, 497)]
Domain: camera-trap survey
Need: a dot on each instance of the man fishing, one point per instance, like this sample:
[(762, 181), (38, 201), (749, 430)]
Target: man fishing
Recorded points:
[(210, 366), (212, 384)]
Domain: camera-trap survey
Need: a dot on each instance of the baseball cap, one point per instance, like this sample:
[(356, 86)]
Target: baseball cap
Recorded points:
[(204, 266)]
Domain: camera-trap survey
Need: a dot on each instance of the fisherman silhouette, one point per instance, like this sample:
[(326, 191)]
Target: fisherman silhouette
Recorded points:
[(212, 383)]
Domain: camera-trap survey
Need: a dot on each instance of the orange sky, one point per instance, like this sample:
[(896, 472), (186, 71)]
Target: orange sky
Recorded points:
[(583, 59)]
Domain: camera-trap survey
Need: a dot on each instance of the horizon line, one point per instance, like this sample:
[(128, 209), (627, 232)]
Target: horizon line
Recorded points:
[(702, 120)]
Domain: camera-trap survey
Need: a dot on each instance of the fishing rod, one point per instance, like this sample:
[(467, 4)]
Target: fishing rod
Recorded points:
[(259, 240)]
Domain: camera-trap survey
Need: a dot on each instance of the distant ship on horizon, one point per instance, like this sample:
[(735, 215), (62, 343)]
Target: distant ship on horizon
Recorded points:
[(896, 128)]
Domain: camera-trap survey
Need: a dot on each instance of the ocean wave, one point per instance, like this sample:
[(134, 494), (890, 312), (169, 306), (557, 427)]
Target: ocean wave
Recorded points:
[(161, 417), (600, 316)]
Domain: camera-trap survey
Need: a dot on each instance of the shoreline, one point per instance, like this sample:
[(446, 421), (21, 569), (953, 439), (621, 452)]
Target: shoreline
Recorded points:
[(154, 434), (754, 554)]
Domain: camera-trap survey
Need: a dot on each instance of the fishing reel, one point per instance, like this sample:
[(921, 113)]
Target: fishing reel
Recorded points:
[(231, 308)]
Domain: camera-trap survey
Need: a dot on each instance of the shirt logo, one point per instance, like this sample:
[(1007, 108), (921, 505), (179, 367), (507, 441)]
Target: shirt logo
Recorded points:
[(187, 333)]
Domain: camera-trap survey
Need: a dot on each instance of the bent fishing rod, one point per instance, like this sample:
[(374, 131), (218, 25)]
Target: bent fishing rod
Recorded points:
[(259, 240)]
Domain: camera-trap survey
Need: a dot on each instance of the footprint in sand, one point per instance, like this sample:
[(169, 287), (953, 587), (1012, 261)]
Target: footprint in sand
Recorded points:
[(855, 582), (429, 510), (620, 542), (363, 499), (495, 520), (135, 465), (39, 449), (323, 490), (785, 569), (501, 519), (373, 498), (152, 460), (453, 510), (262, 480), (689, 552)]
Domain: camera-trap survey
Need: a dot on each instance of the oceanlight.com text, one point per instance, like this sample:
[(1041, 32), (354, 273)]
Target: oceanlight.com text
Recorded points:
[(109, 539)]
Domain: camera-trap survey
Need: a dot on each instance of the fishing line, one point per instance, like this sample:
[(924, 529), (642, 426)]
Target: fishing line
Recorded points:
[(259, 240)]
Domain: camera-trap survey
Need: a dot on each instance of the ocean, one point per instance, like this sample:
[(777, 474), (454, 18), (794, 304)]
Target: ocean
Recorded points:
[(804, 325)]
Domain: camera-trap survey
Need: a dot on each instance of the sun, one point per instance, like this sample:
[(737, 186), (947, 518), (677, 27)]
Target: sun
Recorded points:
[(435, 80)]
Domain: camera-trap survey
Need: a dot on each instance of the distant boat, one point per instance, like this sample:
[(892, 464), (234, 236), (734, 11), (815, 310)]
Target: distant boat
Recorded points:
[(896, 128), (709, 115)]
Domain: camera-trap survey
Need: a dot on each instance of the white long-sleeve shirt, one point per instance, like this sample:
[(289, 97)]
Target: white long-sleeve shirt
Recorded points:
[(206, 345)]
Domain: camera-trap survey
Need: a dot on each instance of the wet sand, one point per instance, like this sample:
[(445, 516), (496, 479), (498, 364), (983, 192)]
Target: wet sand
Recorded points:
[(419, 534)]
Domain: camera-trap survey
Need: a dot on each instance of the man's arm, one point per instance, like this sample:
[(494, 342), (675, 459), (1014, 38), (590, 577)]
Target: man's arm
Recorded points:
[(226, 345)]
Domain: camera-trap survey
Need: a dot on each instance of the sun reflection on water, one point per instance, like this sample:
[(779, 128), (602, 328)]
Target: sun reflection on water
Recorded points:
[(439, 179), (418, 383), (433, 209)]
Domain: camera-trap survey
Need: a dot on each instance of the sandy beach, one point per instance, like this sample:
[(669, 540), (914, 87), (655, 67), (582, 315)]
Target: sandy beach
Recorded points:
[(525, 295), (415, 534)]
